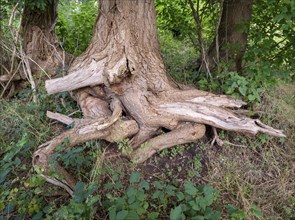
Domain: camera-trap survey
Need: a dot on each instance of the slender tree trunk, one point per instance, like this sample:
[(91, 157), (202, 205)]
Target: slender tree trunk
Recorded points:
[(122, 71), (230, 42), (39, 38)]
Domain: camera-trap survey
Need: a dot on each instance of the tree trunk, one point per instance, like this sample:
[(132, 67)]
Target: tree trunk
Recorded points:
[(122, 71), (230, 41), (39, 39)]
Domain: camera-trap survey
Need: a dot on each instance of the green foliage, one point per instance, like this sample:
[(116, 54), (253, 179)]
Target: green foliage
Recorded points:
[(83, 205), (22, 128), (124, 146), (149, 200), (32, 4), (74, 27), (103, 190), (176, 18), (180, 57), (23, 193), (236, 85), (271, 36)]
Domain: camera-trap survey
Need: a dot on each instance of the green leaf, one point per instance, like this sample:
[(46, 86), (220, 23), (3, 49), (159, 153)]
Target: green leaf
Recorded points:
[(176, 214), (132, 215), (153, 216), (230, 209), (171, 190), (179, 196), (210, 214), (201, 202), (158, 195), (243, 90), (144, 185), (135, 177), (194, 205), (140, 196), (190, 188), (159, 185), (122, 215), (256, 211)]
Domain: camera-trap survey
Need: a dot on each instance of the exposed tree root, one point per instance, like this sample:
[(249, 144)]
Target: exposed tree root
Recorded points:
[(53, 172), (122, 71), (184, 133), (216, 138)]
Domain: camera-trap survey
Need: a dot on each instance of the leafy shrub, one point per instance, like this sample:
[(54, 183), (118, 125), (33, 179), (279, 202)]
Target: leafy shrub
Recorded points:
[(150, 200), (180, 57), (74, 27), (231, 83)]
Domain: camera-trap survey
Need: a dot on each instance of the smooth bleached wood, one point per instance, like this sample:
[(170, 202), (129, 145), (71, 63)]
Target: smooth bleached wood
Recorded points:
[(90, 75)]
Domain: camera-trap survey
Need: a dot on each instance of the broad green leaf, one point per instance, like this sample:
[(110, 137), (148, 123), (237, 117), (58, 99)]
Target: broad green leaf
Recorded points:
[(153, 216), (122, 215), (190, 188), (176, 213), (135, 177)]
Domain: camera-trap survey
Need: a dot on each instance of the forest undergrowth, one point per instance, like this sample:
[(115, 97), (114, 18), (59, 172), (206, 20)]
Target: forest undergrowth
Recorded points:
[(245, 178)]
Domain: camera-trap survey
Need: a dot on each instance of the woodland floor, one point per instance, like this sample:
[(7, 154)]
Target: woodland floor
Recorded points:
[(253, 174)]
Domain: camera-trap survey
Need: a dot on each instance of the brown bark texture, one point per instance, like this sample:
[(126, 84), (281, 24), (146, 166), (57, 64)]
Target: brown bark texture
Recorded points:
[(230, 42), (121, 85), (39, 38)]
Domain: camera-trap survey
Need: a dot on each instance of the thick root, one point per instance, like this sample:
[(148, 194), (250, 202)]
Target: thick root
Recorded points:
[(217, 117), (185, 133), (118, 131)]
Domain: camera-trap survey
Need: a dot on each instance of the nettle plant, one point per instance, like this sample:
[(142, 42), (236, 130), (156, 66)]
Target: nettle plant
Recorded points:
[(248, 87), (151, 200)]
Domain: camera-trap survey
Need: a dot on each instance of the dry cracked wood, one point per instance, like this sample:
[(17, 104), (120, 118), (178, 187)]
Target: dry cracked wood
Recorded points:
[(122, 72), (53, 172)]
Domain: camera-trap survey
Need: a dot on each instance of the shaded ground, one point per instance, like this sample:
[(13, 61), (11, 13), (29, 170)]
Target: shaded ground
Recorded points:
[(250, 173)]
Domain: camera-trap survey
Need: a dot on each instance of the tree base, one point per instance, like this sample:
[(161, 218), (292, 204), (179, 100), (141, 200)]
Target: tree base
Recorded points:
[(122, 73)]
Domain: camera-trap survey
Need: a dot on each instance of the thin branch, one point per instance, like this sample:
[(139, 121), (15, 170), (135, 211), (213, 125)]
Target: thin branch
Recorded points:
[(12, 34), (217, 36), (199, 33)]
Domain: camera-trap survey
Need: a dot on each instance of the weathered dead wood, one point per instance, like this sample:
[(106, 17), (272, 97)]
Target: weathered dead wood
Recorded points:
[(122, 71), (217, 117), (86, 76), (118, 131), (60, 117), (185, 133)]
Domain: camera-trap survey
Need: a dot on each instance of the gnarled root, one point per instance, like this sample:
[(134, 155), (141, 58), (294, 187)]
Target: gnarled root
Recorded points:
[(184, 133), (118, 131), (99, 123)]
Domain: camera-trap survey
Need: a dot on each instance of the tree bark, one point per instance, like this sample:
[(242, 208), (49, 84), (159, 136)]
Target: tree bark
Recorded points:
[(39, 38), (230, 42), (122, 71)]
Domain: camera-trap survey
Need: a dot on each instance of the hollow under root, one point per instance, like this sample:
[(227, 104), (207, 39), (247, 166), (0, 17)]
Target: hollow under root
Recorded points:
[(184, 133)]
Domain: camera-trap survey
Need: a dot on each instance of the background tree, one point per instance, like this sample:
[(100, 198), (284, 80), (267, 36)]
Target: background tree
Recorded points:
[(230, 42), (39, 38)]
